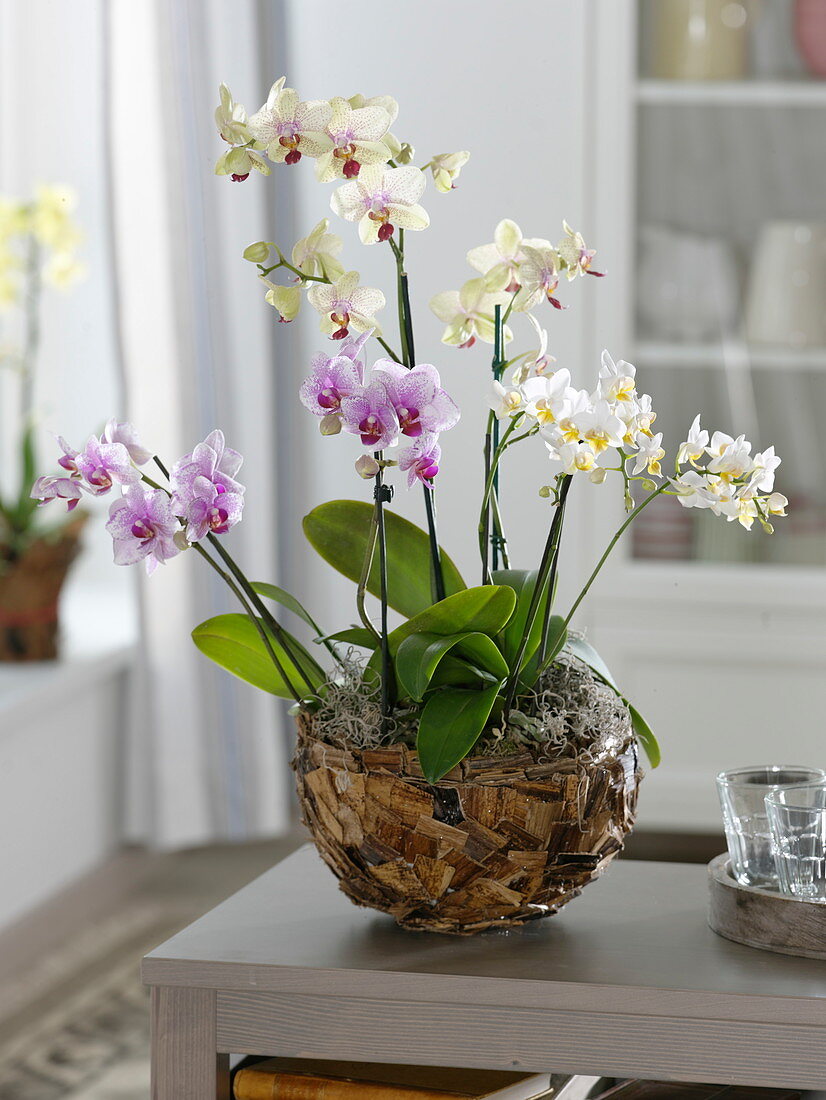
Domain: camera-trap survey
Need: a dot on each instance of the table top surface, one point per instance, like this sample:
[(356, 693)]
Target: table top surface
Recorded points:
[(641, 926)]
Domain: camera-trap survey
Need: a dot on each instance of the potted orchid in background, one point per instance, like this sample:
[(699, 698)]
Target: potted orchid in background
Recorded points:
[(476, 765), (38, 243)]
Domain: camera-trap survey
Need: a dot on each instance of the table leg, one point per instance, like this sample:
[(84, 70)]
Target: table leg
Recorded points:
[(185, 1062)]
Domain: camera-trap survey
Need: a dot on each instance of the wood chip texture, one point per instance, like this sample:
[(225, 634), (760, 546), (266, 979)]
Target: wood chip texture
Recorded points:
[(495, 843)]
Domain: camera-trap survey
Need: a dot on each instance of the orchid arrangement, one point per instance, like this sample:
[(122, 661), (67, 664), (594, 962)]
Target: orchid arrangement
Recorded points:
[(38, 247), (464, 656)]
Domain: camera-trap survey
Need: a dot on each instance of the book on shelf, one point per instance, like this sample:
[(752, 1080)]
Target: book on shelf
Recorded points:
[(307, 1079)]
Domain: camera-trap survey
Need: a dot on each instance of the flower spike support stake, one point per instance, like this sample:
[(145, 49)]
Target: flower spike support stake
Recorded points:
[(383, 494), (408, 349), (497, 539)]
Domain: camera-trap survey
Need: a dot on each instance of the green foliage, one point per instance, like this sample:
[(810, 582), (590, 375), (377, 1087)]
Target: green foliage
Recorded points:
[(353, 635), (483, 610), (339, 531), (234, 643), (450, 725), (523, 582), (643, 732), (280, 596), (419, 656)]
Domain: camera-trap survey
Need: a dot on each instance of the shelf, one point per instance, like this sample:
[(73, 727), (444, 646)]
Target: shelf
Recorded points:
[(735, 355), (745, 93)]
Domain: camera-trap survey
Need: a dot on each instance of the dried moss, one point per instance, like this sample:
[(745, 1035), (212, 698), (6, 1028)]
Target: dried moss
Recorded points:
[(570, 715)]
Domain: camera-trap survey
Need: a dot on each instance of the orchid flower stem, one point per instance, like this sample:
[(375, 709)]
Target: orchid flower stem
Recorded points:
[(259, 606), (543, 577), (251, 595), (546, 617), (491, 462), (227, 579), (388, 349), (629, 519), (382, 494), (367, 565), (498, 537), (484, 519), (409, 357)]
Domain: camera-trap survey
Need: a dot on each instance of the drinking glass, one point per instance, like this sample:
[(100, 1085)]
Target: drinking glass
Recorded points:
[(742, 797), (797, 820)]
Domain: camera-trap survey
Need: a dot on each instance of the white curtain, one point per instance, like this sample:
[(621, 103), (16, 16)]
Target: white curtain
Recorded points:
[(208, 754)]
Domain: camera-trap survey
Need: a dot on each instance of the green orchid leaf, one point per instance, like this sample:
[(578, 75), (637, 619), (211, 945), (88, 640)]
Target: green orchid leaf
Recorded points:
[(458, 672), (589, 656), (419, 655), (523, 582), (234, 643), (557, 636), (483, 610), (339, 530), (645, 736), (450, 725), (354, 635), (280, 596), (643, 732)]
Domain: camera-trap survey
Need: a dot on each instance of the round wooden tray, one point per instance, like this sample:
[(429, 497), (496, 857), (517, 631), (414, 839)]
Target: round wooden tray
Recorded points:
[(763, 918)]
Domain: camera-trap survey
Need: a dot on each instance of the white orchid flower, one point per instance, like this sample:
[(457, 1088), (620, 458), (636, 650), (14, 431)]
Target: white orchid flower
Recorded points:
[(569, 418), (692, 490), (775, 504), (316, 254), (231, 119), (469, 313), (499, 261), (289, 128), (693, 449), (617, 380), (344, 305), (355, 135), (649, 454), (446, 168), (545, 396), (382, 199), (732, 460), (505, 400), (575, 259), (538, 276), (762, 474), (575, 457), (601, 427)]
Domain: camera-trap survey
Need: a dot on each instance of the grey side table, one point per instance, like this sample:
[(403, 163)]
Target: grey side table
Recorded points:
[(628, 980)]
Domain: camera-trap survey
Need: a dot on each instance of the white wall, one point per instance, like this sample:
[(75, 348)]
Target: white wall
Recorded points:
[(512, 90)]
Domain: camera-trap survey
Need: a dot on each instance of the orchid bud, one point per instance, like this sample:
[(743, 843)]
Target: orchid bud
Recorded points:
[(768, 528), (180, 539), (405, 154), (629, 502), (367, 467), (330, 424), (545, 492), (393, 144), (648, 485), (598, 475), (257, 253)]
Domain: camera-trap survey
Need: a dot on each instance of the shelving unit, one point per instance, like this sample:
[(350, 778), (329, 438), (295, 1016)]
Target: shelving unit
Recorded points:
[(721, 641), (742, 93), (675, 356)]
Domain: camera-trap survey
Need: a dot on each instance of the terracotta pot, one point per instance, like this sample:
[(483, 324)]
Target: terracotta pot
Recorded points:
[(29, 591), (810, 33), (497, 842)]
